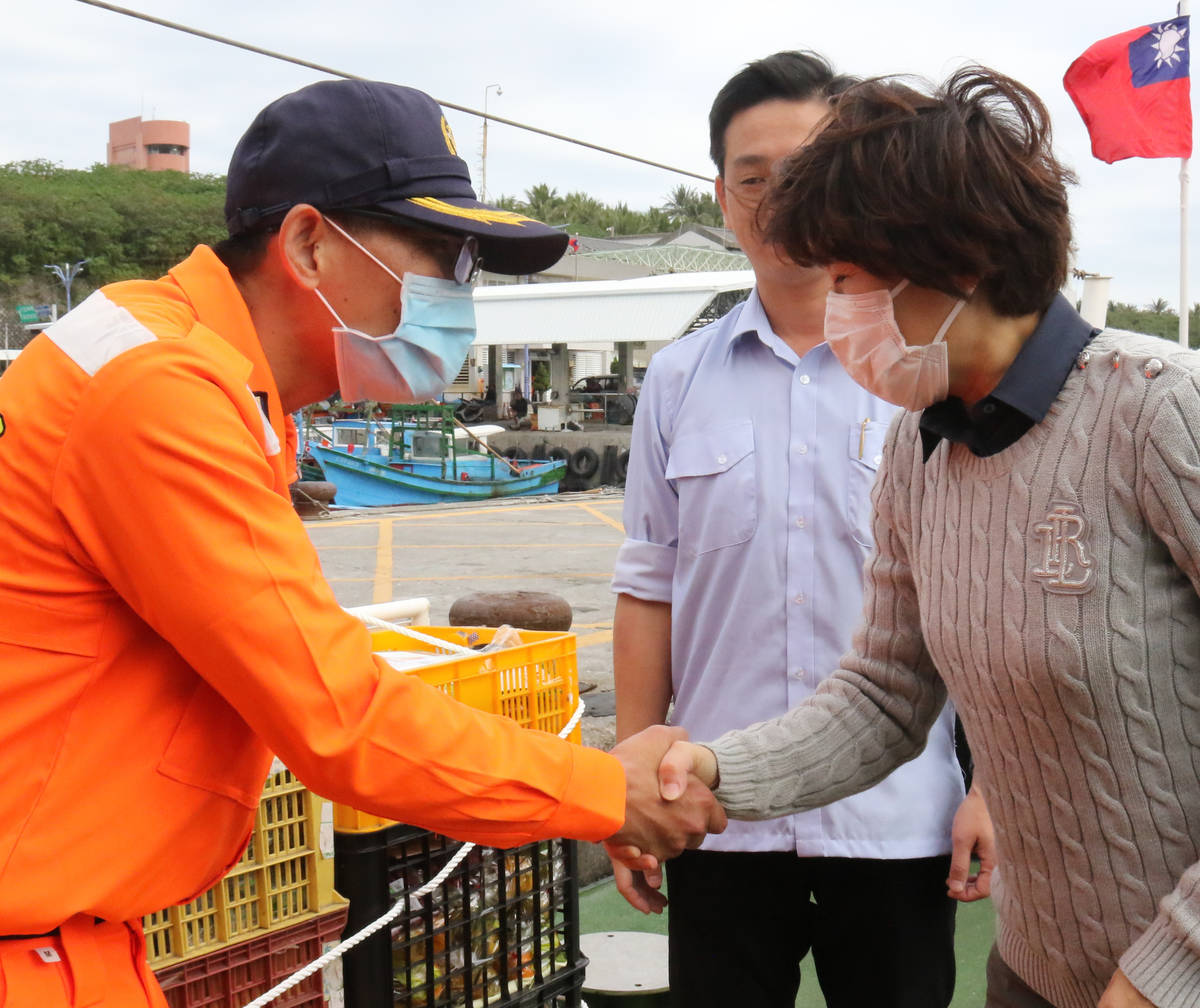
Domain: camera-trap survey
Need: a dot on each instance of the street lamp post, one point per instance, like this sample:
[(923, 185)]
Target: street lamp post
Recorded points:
[(483, 157), (67, 273)]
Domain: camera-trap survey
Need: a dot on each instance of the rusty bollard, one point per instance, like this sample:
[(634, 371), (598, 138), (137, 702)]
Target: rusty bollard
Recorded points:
[(525, 610)]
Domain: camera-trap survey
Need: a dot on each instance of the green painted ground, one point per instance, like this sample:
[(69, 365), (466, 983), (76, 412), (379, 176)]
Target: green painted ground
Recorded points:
[(601, 908)]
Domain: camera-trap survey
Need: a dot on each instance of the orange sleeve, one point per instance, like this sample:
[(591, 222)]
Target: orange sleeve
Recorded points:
[(169, 495)]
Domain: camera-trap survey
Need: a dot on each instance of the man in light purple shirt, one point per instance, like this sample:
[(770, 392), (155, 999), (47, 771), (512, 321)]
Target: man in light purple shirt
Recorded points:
[(748, 517)]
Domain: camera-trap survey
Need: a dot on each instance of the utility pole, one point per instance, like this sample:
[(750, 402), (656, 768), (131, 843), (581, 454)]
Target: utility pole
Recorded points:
[(483, 154)]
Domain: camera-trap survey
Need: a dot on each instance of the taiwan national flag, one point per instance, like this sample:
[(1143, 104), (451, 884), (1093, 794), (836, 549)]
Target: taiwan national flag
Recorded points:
[(1133, 92)]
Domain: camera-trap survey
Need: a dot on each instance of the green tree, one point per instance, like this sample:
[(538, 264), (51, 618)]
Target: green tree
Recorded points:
[(130, 223), (686, 205), (1155, 320), (581, 214), (125, 223), (543, 203)]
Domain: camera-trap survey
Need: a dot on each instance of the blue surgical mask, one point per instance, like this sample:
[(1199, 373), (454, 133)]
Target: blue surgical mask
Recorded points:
[(422, 356)]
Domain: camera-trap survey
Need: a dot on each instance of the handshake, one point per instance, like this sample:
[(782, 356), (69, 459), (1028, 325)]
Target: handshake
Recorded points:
[(669, 807)]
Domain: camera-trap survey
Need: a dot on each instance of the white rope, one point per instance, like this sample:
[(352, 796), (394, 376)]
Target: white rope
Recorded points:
[(401, 904), (445, 645)]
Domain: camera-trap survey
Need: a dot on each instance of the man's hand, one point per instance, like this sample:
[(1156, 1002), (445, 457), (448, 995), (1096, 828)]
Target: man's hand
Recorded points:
[(654, 825), (1120, 993), (971, 834), (641, 889)]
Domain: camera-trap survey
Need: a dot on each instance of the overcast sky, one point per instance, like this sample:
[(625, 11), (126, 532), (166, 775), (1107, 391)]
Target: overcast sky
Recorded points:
[(633, 76)]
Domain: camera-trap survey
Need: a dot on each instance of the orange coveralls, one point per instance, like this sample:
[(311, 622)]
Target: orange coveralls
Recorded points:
[(165, 627)]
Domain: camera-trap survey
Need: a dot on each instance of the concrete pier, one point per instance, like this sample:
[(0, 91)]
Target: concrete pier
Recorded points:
[(563, 544)]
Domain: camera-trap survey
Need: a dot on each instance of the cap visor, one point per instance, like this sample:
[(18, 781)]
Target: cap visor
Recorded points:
[(509, 242)]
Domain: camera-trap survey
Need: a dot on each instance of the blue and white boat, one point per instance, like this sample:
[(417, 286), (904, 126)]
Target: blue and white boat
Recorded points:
[(421, 456)]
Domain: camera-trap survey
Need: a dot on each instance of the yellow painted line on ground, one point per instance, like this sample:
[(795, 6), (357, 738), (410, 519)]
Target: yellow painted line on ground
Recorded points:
[(458, 513), (463, 546), (431, 580), (492, 524), (593, 639), (383, 564), (603, 517)]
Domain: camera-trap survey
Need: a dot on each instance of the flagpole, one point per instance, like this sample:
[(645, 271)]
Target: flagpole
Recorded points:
[(1183, 252), (1184, 314)]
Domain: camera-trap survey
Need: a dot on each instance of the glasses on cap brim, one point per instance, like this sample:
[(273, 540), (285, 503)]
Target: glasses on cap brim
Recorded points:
[(467, 262)]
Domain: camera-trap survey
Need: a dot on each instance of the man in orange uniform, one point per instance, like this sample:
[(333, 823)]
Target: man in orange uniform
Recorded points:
[(164, 625)]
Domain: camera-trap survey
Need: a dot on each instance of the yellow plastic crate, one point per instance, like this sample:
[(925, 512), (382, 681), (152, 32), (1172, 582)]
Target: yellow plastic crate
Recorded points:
[(281, 879), (536, 684)]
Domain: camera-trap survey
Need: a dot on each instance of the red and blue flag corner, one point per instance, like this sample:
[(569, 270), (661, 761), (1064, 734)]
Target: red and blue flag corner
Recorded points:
[(1133, 91)]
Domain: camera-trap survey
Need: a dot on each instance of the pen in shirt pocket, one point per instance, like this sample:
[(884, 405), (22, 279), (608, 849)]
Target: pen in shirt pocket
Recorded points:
[(862, 436)]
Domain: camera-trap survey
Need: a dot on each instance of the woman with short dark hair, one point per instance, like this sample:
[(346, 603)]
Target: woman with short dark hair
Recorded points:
[(1037, 543)]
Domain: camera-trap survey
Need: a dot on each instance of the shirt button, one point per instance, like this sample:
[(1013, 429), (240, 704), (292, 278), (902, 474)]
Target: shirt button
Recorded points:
[(801, 599), (720, 460), (879, 460), (802, 449), (804, 379), (798, 674), (801, 523)]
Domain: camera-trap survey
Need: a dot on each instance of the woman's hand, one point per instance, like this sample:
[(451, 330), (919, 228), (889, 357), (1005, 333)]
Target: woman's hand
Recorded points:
[(682, 759), (1120, 993), (971, 834)]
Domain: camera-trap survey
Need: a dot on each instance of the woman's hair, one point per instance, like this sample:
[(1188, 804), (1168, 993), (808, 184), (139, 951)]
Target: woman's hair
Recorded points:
[(941, 188)]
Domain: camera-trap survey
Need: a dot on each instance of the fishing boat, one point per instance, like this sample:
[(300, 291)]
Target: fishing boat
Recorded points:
[(422, 455)]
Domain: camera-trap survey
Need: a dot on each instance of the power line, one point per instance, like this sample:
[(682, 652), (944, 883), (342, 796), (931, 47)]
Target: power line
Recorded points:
[(349, 76)]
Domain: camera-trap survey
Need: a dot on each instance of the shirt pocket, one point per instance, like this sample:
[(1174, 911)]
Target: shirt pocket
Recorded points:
[(715, 478), (865, 449), (212, 748)]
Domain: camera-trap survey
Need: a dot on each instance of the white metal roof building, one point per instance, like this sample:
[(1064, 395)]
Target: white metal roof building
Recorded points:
[(643, 309)]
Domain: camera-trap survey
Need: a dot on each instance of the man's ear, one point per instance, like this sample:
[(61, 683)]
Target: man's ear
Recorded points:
[(719, 186), (303, 245)]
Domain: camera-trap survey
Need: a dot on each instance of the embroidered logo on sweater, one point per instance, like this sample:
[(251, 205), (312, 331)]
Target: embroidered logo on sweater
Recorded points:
[(1067, 566)]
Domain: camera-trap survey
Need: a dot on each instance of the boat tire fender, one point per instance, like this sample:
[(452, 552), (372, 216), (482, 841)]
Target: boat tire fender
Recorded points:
[(558, 454), (583, 463), (470, 412), (622, 466)]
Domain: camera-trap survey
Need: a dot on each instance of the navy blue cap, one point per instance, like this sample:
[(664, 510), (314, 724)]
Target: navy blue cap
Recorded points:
[(352, 144)]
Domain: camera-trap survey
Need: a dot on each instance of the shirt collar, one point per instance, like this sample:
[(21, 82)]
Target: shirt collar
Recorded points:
[(751, 320), (752, 323), (214, 296), (1023, 395), (207, 285)]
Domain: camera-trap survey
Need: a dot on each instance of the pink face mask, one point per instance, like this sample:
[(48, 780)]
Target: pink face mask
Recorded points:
[(861, 330)]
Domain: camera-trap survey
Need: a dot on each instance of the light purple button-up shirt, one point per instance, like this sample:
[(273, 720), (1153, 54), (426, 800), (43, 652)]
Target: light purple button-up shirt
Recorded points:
[(747, 507)]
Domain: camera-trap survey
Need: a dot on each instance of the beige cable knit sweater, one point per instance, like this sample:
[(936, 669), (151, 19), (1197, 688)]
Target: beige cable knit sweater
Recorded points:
[(1052, 589)]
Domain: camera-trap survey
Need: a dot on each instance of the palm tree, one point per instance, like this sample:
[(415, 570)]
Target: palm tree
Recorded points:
[(543, 203), (1159, 306), (683, 205), (686, 205), (584, 213)]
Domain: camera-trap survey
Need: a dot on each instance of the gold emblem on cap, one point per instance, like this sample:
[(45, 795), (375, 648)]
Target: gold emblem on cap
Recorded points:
[(471, 213), (449, 137)]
